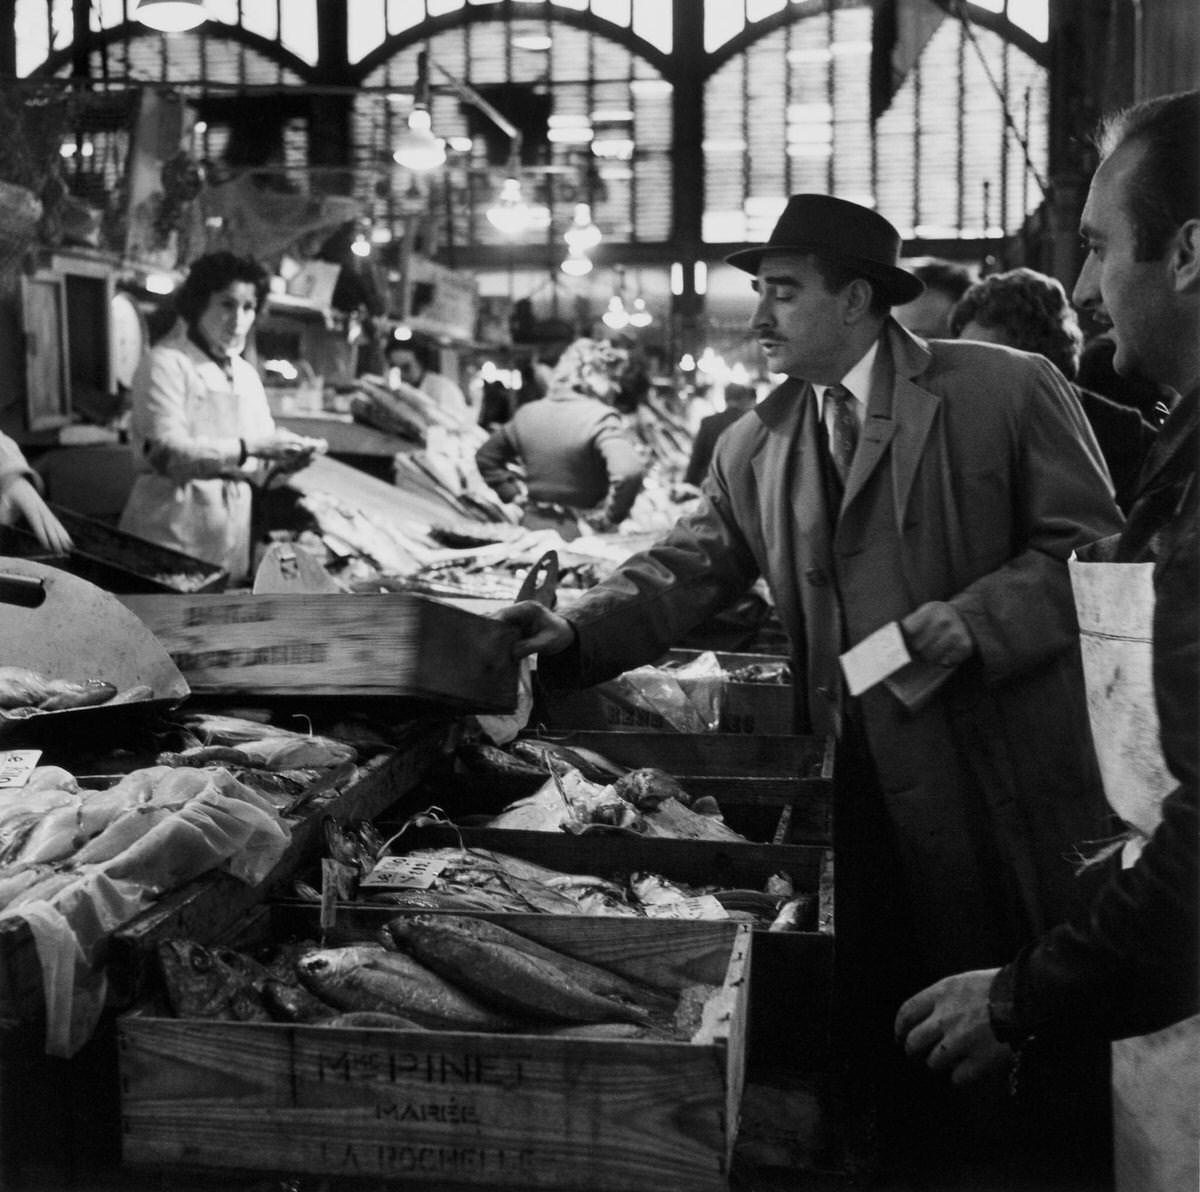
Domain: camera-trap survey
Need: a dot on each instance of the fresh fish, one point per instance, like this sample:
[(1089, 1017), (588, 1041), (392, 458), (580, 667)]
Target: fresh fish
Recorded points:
[(126, 829), (361, 977), (55, 836), (504, 975), (646, 788), (212, 982), (370, 1020), (287, 1001), (68, 694), (592, 977), (508, 776), (794, 914), (593, 766)]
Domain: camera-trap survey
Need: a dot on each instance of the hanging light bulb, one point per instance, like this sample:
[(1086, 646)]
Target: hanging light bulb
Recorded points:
[(616, 316), (171, 16), (582, 235), (640, 316), (576, 264), (416, 147), (509, 214)]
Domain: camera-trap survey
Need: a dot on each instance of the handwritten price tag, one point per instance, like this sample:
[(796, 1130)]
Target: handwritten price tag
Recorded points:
[(408, 873), (15, 767), (704, 906)]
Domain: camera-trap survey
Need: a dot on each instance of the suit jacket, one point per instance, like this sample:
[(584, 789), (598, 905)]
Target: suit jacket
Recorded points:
[(1127, 966), (974, 479)]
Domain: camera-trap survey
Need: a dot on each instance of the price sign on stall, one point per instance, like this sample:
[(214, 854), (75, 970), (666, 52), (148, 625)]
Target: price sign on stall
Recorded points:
[(704, 906), (408, 873), (15, 767)]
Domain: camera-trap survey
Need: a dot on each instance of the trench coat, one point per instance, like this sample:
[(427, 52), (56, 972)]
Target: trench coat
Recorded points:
[(975, 477)]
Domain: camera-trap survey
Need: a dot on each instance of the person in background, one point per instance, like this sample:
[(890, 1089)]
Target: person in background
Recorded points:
[(1127, 964), (738, 399), (578, 461), (20, 499), (936, 487), (412, 362), (1096, 373), (1029, 310), (928, 314), (201, 429)]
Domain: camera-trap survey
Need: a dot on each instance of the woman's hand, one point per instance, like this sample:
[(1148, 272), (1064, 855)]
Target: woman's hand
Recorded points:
[(287, 451), (23, 500), (542, 631)]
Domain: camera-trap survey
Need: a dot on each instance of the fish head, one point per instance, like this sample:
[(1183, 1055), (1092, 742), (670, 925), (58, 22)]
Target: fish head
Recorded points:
[(198, 983)]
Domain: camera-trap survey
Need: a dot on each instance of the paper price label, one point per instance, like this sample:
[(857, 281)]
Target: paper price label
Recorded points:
[(16, 765), (704, 906), (407, 873)]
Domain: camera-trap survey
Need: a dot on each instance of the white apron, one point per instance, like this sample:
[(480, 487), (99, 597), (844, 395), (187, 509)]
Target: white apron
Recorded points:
[(1155, 1078)]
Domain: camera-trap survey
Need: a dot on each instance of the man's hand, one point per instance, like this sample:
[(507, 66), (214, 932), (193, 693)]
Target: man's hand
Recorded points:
[(542, 631), (947, 1025), (21, 498), (936, 633)]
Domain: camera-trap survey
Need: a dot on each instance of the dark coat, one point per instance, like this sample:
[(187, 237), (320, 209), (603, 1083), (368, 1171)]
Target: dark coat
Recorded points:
[(1124, 437), (575, 452), (1128, 965), (974, 479), (707, 433)]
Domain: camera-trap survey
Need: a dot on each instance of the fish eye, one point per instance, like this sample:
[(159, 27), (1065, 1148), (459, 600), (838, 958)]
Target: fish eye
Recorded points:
[(201, 961)]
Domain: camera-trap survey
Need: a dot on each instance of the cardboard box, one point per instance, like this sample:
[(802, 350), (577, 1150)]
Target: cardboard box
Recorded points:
[(385, 644), (761, 708), (454, 1108)]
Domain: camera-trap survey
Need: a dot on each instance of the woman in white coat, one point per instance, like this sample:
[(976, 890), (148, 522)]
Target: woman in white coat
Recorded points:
[(202, 432)]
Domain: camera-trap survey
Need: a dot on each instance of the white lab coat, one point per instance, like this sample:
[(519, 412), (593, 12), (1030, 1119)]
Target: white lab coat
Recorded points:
[(189, 418)]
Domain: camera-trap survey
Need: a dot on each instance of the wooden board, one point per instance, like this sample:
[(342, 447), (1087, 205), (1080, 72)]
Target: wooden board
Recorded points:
[(386, 644), (482, 1110)]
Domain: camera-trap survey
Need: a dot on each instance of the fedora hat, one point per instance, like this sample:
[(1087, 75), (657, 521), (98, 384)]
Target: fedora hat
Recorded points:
[(842, 232)]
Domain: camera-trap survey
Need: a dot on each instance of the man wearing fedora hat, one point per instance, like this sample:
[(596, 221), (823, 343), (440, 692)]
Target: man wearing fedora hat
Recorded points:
[(940, 486)]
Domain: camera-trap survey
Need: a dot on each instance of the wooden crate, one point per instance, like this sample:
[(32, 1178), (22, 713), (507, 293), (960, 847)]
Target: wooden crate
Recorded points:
[(116, 561), (785, 782), (766, 708), (382, 645), (791, 999), (455, 1108)]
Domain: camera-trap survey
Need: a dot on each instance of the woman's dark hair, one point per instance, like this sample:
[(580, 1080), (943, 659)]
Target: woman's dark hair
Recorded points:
[(1033, 311), (214, 272)]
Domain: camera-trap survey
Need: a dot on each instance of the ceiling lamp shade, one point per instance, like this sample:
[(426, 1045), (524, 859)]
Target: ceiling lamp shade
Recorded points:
[(582, 235), (576, 264), (616, 316), (416, 147), (171, 16), (509, 213)]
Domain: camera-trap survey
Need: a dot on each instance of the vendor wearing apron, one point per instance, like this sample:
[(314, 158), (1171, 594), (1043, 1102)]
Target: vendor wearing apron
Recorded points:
[(202, 431)]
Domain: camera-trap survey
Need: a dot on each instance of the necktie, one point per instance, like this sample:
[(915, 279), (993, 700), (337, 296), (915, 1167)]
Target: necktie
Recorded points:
[(843, 428)]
